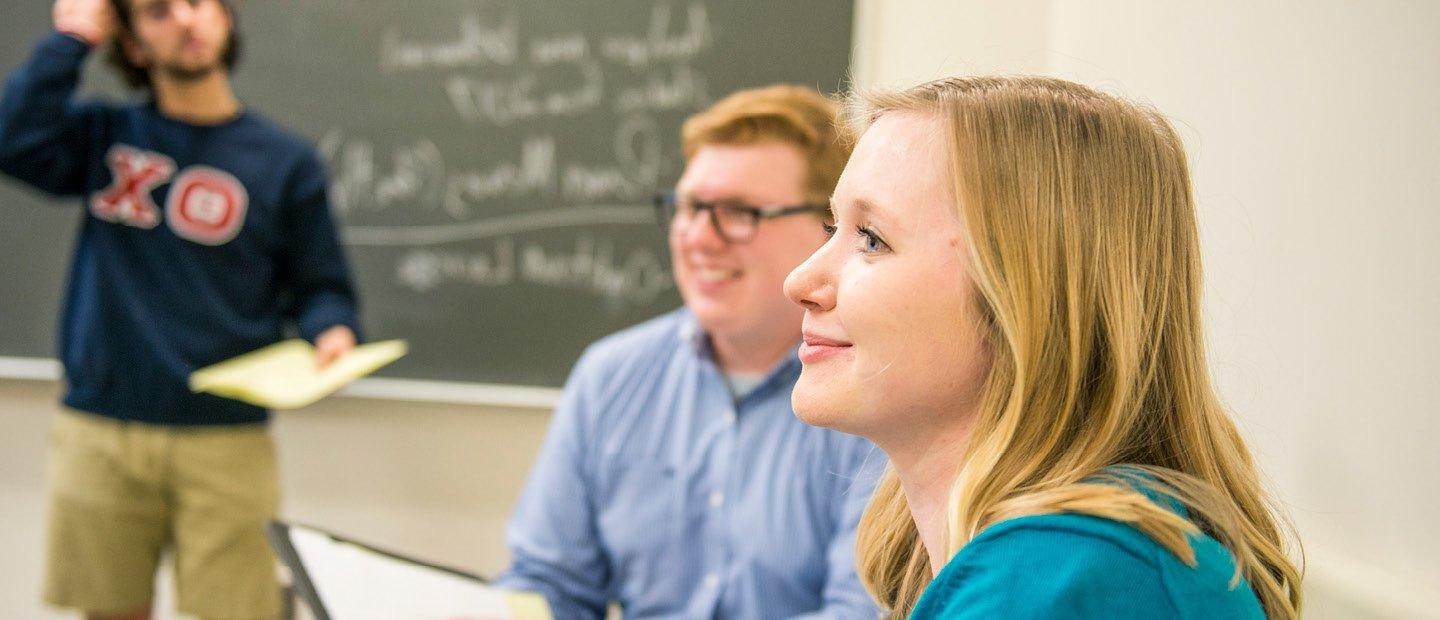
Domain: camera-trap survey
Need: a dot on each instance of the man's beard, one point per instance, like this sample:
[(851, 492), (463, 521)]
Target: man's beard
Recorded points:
[(182, 74)]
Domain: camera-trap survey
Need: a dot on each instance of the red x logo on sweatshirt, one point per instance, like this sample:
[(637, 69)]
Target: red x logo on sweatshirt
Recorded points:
[(136, 173)]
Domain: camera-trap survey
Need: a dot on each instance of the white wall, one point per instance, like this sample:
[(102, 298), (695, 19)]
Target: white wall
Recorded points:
[(1314, 132), (900, 43)]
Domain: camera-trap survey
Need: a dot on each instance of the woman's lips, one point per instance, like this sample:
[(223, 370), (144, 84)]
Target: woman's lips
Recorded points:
[(814, 348)]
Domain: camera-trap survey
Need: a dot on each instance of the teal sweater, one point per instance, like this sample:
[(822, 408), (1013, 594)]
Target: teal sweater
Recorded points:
[(1075, 566)]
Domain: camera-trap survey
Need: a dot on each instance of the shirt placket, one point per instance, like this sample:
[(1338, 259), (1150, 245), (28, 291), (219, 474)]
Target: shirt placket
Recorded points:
[(713, 504)]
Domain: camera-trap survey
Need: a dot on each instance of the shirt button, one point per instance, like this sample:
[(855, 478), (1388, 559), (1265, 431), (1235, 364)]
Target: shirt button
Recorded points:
[(712, 580), (716, 499)]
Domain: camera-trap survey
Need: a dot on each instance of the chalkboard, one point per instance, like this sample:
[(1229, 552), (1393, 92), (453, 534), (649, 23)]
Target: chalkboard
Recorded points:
[(491, 162)]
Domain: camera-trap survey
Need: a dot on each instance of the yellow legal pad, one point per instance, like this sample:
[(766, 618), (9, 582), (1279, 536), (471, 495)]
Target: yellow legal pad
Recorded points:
[(284, 375)]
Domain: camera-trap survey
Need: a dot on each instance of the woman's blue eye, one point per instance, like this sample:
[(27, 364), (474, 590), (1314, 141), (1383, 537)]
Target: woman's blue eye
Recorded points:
[(829, 229), (871, 242)]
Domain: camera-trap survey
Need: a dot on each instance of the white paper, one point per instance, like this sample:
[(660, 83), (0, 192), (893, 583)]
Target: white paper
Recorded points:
[(355, 583)]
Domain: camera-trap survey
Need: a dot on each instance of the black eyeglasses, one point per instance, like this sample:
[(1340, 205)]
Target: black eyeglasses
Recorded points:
[(734, 221)]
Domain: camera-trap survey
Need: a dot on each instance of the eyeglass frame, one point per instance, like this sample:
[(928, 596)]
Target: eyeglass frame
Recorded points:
[(667, 208)]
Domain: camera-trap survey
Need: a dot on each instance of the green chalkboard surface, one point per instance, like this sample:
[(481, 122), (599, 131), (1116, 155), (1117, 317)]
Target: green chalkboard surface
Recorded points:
[(491, 162)]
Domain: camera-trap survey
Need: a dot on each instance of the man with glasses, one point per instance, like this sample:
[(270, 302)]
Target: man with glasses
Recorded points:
[(675, 480)]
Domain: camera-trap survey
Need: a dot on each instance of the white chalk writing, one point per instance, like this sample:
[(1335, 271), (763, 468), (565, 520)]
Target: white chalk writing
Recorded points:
[(633, 278), (525, 113), (479, 44)]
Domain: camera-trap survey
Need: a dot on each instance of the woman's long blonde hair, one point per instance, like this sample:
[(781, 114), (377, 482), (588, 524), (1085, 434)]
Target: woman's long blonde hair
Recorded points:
[(1086, 263)]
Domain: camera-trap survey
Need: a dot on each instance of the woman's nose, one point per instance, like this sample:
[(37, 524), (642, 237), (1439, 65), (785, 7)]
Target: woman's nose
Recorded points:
[(812, 284)]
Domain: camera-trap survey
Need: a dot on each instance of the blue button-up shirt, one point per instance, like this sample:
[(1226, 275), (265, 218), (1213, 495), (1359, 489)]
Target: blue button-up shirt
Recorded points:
[(658, 490)]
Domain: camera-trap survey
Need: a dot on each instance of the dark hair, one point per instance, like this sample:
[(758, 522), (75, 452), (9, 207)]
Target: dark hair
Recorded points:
[(139, 77)]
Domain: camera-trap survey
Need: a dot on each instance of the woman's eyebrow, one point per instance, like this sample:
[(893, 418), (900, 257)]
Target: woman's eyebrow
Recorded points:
[(863, 208), (871, 211)]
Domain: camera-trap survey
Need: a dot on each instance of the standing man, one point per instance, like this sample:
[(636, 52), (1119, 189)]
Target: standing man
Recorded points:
[(206, 229), (675, 480)]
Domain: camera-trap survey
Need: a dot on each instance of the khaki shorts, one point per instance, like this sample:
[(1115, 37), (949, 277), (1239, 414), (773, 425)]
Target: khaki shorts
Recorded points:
[(121, 493)]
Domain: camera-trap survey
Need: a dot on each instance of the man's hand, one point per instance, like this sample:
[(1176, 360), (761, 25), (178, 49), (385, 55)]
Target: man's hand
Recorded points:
[(333, 343), (91, 20)]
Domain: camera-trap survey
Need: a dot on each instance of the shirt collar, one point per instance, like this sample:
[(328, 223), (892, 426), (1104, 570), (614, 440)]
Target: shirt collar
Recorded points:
[(697, 342), (691, 335)]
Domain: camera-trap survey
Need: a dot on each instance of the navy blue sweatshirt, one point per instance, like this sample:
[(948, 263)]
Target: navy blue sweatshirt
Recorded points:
[(199, 242)]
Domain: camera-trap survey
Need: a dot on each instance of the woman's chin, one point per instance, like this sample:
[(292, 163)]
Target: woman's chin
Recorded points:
[(813, 417), (816, 408)]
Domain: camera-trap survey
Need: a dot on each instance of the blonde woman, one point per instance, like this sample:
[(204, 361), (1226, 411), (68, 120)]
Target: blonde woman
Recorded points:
[(1009, 307)]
